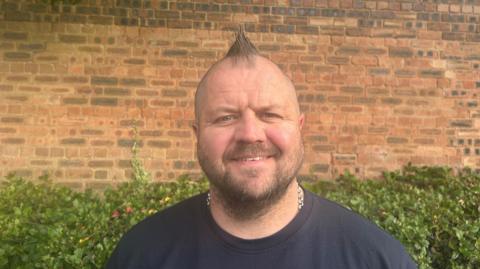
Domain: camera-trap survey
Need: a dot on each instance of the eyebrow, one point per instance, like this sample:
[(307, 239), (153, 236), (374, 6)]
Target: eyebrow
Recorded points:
[(234, 109)]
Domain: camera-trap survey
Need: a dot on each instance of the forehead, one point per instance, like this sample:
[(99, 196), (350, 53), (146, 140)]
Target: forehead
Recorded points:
[(256, 81)]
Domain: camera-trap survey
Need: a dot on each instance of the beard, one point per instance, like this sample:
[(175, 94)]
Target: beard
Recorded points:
[(240, 201)]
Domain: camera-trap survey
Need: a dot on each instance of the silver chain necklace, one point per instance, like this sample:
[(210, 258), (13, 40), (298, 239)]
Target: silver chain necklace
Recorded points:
[(299, 193)]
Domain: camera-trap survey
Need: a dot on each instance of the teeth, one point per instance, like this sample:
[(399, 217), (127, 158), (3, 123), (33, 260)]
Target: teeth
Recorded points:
[(252, 159)]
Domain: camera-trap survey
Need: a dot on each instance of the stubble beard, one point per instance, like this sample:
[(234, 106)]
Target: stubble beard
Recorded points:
[(237, 199)]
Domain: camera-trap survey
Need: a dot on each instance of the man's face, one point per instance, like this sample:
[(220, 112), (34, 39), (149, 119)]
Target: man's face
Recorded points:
[(248, 130)]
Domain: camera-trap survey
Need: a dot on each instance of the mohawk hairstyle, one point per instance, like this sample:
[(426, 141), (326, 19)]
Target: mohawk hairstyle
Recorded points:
[(242, 47)]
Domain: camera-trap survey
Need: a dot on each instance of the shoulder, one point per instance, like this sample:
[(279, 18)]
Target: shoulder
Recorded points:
[(169, 220), (360, 236), (157, 233)]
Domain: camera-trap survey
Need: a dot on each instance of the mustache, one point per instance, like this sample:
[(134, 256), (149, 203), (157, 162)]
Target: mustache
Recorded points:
[(244, 150)]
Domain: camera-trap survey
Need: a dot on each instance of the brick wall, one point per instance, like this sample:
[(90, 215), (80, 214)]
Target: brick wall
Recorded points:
[(382, 83)]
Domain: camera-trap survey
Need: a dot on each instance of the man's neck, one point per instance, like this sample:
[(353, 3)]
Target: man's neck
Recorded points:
[(269, 222)]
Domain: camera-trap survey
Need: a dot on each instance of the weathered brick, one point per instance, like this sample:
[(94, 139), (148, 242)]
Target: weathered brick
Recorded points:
[(403, 52), (405, 73), (6, 88), (375, 51), (339, 99), (364, 100), (57, 152), (269, 47), (453, 36), (90, 49), (332, 30), (325, 68), (75, 100), (73, 18), (133, 82), (12, 120), (31, 46), (179, 133), (102, 163), (391, 101), (179, 24), (284, 29), (295, 20), (164, 14), (174, 93), (101, 174), (87, 10), (117, 91), (309, 30), (461, 123), (377, 130), (91, 132), (332, 12), (75, 79), (18, 16), (316, 138), (5, 130), (47, 58), (311, 98), (73, 39), (159, 143), (129, 143), (124, 163), (103, 101), (22, 173), (13, 140), (153, 133), (116, 50), (15, 36), (41, 152), (424, 141), (17, 98), (431, 73), (346, 50), (397, 140), (106, 20), (378, 71), (337, 60), (352, 90), (46, 79), (95, 80), (201, 54), (473, 38), (17, 56), (319, 168), (132, 123), (72, 141), (134, 61), (174, 52), (71, 163), (102, 143)]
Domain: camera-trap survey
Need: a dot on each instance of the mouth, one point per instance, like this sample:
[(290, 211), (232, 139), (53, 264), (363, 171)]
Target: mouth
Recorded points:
[(251, 159)]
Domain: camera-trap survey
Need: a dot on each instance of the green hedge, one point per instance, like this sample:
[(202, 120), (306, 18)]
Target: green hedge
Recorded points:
[(434, 214)]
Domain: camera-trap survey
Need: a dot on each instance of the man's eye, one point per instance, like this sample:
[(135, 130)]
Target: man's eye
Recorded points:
[(225, 118), (269, 115)]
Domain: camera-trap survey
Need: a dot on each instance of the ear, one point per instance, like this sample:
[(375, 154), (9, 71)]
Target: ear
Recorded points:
[(301, 120), (195, 129)]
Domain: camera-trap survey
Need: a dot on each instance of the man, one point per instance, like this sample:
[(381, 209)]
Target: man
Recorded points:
[(248, 128)]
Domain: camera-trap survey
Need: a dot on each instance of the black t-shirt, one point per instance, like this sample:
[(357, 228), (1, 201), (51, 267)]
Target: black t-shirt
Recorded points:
[(322, 235)]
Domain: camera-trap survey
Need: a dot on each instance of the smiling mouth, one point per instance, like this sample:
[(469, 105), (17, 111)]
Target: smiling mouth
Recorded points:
[(251, 159)]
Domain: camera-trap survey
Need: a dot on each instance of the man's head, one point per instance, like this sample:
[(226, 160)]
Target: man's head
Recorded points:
[(247, 123)]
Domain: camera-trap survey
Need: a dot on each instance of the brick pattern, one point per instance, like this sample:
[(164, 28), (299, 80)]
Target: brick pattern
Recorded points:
[(382, 83)]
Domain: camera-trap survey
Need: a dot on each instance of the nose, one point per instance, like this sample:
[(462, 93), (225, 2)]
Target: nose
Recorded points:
[(249, 129)]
